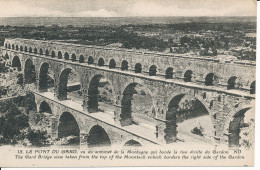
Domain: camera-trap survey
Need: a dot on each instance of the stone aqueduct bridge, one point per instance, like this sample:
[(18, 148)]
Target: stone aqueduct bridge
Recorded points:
[(167, 78)]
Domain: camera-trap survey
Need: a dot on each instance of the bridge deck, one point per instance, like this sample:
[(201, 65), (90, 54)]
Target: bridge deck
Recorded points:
[(143, 132), (194, 85)]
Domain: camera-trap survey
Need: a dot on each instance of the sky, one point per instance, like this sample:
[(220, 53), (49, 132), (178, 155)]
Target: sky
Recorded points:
[(126, 8)]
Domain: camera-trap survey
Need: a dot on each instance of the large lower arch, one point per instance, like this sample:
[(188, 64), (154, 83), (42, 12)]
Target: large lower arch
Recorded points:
[(29, 72), (238, 123), (98, 137), (100, 95), (69, 83), (68, 129), (16, 63), (46, 77), (190, 116), (137, 106)]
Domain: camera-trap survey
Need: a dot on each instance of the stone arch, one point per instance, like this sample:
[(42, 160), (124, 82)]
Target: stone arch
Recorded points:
[(188, 76), (16, 62), (169, 73), (132, 143), (66, 56), (235, 125), (64, 86), (47, 52), (81, 59), (17, 47), (152, 70), (35, 50), (138, 68), (45, 80), (252, 88), (69, 128), (59, 55), (192, 117), (25, 49), (45, 108), (21, 48), (90, 60), (41, 51), (98, 137), (124, 65), (126, 114), (53, 54), (93, 93), (73, 57), (112, 64), (12, 46), (101, 62), (29, 72), (30, 50), (9, 46), (211, 79), (232, 84)]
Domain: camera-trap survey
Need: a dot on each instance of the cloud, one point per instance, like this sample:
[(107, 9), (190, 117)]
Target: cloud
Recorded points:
[(206, 9), (15, 9)]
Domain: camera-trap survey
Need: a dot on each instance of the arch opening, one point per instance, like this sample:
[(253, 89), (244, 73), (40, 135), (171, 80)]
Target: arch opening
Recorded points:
[(46, 78), (137, 107), (98, 137), (112, 64), (66, 56), (81, 59), (169, 73), (45, 108), (25, 49), (192, 119), (30, 50), (59, 55), (53, 54), (12, 46), (69, 87), (90, 60), (73, 57), (41, 51), (241, 128), (101, 62), (17, 47), (29, 72), (124, 65), (252, 88), (100, 95), (132, 143), (46, 52), (35, 50), (68, 129), (211, 79), (21, 48), (138, 68), (188, 76), (152, 70), (16, 63), (9, 46), (232, 84)]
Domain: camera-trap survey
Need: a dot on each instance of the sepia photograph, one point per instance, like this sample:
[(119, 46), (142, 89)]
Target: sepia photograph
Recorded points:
[(88, 83)]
